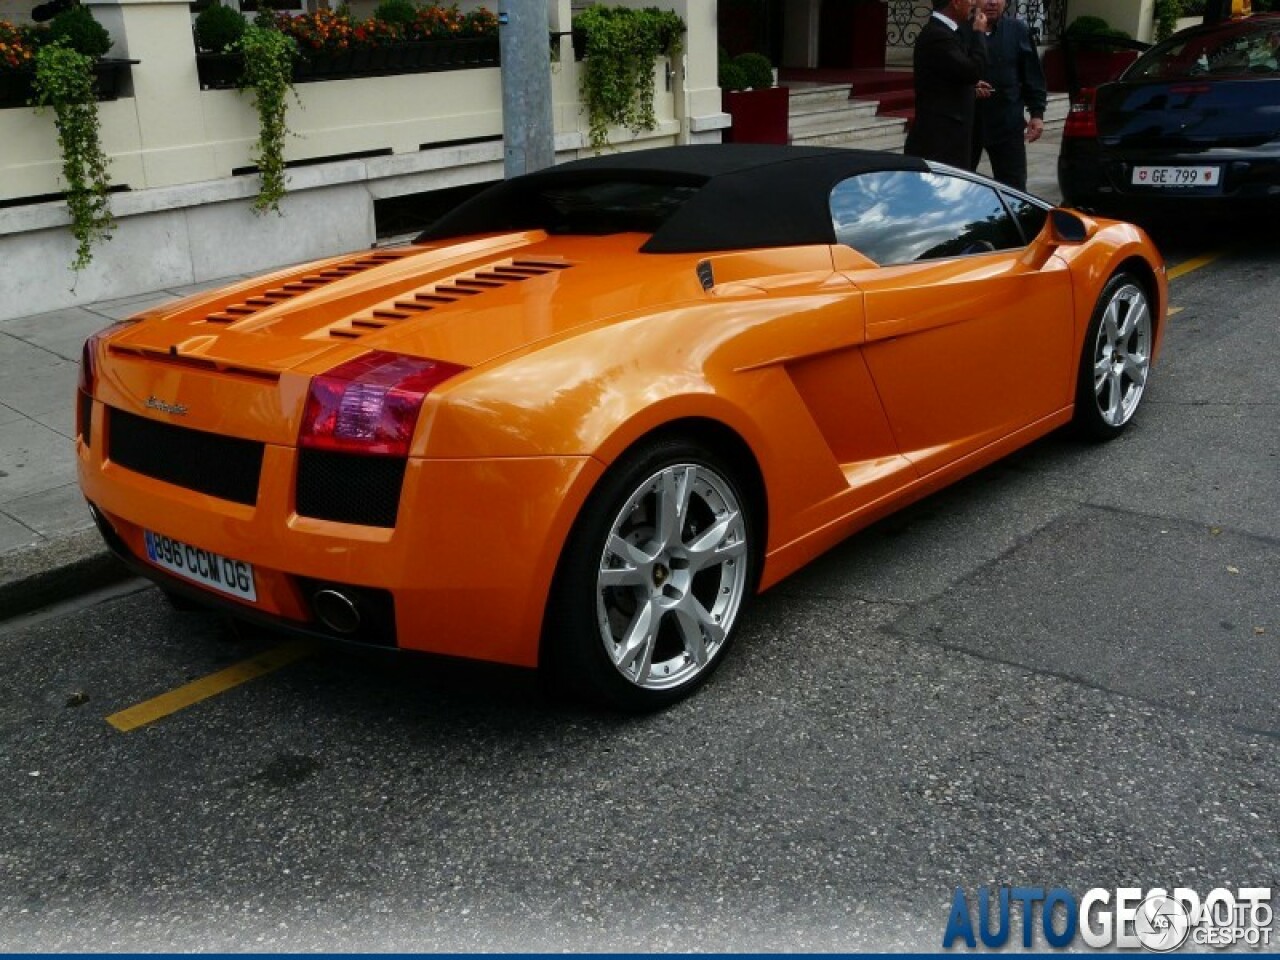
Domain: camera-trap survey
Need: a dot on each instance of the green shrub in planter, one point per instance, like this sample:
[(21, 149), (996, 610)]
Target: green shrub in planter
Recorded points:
[(81, 32), (1166, 14), (218, 28), (756, 69), (399, 12), (731, 76), (1088, 26)]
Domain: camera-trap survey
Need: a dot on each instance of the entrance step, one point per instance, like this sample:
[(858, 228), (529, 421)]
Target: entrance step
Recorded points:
[(1055, 113), (823, 115)]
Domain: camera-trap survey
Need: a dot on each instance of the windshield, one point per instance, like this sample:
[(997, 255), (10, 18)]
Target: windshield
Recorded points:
[(1246, 49)]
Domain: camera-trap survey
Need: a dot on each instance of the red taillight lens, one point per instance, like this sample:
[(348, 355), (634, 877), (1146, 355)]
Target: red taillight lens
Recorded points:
[(1082, 120), (370, 405)]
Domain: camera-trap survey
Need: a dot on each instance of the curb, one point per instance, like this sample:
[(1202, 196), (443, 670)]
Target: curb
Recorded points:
[(54, 571)]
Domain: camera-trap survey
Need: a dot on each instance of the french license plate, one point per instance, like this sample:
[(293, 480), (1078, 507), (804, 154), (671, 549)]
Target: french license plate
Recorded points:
[(1177, 176), (232, 577)]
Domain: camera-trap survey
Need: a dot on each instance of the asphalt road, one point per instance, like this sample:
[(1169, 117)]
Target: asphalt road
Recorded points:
[(1061, 672)]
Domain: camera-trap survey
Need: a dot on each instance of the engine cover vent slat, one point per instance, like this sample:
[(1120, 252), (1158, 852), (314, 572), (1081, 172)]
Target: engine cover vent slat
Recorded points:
[(294, 288), (545, 265), (494, 276), (504, 276)]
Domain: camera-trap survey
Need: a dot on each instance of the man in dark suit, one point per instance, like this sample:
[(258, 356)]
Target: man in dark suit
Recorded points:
[(949, 62), (1017, 82)]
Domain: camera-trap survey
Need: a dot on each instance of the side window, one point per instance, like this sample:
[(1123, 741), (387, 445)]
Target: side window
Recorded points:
[(1030, 216), (897, 216)]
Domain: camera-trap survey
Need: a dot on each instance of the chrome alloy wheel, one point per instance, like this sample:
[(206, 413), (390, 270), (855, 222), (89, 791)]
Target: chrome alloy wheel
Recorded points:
[(672, 576), (1122, 355)]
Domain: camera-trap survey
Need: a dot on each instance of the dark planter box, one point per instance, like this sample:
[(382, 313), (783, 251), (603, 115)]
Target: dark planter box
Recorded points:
[(759, 116), (221, 71), (17, 87)]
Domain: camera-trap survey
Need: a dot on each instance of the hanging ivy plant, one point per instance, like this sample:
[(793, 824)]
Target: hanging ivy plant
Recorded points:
[(268, 72), (64, 82), (617, 66)]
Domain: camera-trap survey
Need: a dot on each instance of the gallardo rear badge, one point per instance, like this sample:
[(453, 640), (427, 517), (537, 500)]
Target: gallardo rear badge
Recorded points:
[(177, 409)]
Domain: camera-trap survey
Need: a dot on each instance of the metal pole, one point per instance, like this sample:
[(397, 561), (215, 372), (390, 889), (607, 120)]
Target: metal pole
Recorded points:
[(528, 131)]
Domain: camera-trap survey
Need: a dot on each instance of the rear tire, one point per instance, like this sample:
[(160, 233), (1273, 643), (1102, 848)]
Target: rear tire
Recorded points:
[(1116, 359), (653, 579)]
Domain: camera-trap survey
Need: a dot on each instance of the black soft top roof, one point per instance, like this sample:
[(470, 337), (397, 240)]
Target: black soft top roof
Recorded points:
[(743, 195)]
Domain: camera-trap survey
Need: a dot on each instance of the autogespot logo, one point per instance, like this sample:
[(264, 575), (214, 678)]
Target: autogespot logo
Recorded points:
[(1126, 918), (1162, 923)]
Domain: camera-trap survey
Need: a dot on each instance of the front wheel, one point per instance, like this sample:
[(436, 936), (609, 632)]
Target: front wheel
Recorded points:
[(1116, 360), (653, 579)]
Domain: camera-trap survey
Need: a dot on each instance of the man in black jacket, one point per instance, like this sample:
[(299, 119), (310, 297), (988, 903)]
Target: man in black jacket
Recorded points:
[(1013, 69), (949, 62)]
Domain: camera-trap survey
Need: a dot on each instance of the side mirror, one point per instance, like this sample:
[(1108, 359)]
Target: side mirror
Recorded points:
[(1070, 227)]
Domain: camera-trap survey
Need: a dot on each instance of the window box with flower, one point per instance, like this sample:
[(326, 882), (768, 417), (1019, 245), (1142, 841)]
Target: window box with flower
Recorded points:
[(19, 44), (400, 38)]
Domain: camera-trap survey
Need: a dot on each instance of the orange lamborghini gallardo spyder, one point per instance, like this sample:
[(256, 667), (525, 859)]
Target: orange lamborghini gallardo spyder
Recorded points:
[(585, 417)]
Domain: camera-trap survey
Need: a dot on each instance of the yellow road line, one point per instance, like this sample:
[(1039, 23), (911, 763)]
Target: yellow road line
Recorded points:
[(154, 709), (1195, 263), (1174, 310)]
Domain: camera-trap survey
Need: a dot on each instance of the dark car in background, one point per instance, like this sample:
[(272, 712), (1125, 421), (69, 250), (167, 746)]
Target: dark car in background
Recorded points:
[(1192, 125)]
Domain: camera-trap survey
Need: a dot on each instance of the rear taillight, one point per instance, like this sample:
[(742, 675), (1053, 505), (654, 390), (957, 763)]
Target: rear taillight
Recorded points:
[(88, 377), (1082, 120), (370, 405)]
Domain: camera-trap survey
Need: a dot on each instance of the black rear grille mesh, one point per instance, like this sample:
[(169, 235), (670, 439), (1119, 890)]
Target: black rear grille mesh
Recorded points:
[(223, 467), (349, 488)]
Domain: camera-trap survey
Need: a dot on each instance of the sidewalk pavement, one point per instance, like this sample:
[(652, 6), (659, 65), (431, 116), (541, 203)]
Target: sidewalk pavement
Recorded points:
[(49, 549)]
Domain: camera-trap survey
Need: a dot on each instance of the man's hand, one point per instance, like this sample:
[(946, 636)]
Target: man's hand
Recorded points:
[(985, 90), (979, 21), (1035, 127)]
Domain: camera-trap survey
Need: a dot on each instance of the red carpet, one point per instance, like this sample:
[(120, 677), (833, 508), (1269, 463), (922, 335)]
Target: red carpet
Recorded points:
[(892, 89), (863, 81)]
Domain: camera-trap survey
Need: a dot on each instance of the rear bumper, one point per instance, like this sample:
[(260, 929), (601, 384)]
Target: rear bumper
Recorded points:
[(467, 567), (376, 635), (1093, 175)]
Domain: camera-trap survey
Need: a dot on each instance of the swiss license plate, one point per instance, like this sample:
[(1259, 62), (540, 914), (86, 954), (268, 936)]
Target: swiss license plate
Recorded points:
[(232, 577), (1177, 176)]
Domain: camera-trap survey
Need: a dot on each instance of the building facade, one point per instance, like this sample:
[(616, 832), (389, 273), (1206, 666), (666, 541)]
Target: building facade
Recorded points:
[(181, 154)]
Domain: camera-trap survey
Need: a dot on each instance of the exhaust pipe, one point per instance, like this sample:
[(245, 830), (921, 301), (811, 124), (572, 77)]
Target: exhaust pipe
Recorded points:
[(336, 610)]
